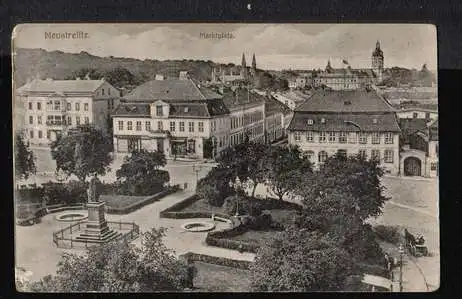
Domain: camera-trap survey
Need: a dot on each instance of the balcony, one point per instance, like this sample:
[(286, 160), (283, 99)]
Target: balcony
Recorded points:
[(55, 124)]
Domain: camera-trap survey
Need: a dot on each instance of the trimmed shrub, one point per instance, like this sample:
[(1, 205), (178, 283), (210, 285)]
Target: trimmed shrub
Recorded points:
[(64, 193), (148, 185), (390, 234), (137, 205)]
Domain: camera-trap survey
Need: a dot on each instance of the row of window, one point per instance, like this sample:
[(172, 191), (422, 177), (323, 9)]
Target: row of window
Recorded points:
[(214, 123), (39, 134), (58, 120), (58, 106), (160, 126), (388, 155), (344, 137), (248, 118)]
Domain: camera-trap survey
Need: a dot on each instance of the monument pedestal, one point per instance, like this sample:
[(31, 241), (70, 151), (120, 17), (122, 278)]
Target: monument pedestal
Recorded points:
[(96, 229)]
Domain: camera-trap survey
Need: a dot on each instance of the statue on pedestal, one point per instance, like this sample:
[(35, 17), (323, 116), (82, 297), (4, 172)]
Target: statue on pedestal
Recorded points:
[(93, 189)]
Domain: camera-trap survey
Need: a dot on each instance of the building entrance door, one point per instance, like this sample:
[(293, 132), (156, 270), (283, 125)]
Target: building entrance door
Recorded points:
[(412, 166)]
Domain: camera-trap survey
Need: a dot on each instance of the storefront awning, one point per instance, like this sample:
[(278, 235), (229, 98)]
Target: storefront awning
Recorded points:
[(178, 140)]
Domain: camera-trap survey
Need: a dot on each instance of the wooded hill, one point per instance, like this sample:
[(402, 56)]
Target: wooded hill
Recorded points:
[(121, 72)]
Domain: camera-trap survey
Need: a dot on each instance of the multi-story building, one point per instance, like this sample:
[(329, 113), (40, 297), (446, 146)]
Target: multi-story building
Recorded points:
[(184, 119), (347, 122), (247, 115), (348, 78), (291, 98), (418, 113), (274, 120), (53, 106), (419, 147)]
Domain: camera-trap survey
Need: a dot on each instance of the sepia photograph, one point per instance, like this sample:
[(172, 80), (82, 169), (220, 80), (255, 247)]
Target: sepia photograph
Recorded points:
[(237, 157)]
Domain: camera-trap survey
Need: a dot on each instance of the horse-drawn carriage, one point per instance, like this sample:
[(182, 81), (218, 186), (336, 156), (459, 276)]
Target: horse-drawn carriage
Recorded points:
[(415, 245)]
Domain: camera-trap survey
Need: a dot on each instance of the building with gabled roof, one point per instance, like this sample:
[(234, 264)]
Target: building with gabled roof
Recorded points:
[(348, 122), (182, 118), (419, 147), (52, 107)]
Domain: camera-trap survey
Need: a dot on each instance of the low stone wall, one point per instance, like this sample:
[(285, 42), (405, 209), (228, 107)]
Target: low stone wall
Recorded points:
[(137, 205), (222, 261)]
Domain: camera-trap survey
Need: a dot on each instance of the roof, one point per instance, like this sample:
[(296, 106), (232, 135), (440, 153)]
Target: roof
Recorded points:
[(61, 86), (297, 96), (412, 126), (240, 96), (171, 89), (273, 106), (344, 122), (132, 110), (198, 109), (358, 100)]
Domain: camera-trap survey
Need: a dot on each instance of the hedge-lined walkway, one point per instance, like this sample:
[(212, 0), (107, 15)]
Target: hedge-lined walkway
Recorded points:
[(36, 252)]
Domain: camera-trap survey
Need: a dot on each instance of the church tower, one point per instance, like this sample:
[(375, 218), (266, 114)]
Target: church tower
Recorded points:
[(243, 68), (377, 62), (253, 70), (329, 68)]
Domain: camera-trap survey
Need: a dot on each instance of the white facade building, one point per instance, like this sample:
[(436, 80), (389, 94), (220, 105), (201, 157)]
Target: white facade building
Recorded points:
[(53, 106), (347, 122)]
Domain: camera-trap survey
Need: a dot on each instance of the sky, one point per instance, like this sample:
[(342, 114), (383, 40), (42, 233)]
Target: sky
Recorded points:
[(276, 46)]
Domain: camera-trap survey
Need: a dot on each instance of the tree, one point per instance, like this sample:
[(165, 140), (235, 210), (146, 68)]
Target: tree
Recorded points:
[(83, 152), (119, 267), (140, 173), (338, 199), (302, 261), (24, 163), (215, 187), (353, 177), (287, 167)]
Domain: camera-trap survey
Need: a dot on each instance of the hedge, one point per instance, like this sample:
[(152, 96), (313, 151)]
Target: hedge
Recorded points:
[(222, 261), (179, 206), (137, 205)]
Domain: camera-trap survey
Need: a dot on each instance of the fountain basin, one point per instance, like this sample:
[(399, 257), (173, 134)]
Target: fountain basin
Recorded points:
[(71, 217), (198, 226)]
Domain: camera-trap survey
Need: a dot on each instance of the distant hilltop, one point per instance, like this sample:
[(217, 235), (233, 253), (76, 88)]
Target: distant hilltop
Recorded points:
[(39, 63)]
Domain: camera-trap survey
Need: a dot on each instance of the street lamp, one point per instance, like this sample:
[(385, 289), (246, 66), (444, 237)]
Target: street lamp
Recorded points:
[(401, 253)]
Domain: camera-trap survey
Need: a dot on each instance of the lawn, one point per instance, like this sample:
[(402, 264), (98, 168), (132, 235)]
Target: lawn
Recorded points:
[(255, 236), (216, 278), (202, 206), (121, 201)]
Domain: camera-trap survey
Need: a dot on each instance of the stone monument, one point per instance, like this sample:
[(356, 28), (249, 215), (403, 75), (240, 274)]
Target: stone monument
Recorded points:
[(96, 229)]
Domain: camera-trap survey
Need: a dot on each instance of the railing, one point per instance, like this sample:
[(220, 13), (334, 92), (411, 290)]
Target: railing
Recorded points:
[(62, 239)]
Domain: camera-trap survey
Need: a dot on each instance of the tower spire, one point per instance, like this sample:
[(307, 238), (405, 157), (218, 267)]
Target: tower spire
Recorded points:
[(377, 45), (254, 62), (243, 64)]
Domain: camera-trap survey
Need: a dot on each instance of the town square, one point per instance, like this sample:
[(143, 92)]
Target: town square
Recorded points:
[(227, 168)]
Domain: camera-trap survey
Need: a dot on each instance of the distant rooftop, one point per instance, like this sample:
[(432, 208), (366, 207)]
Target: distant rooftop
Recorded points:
[(61, 86), (171, 90), (359, 100)]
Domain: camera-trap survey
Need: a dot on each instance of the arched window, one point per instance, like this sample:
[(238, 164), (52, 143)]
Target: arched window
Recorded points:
[(309, 155), (322, 156)]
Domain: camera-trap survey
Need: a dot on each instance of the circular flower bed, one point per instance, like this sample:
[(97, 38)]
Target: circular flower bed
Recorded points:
[(70, 217), (198, 226)]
